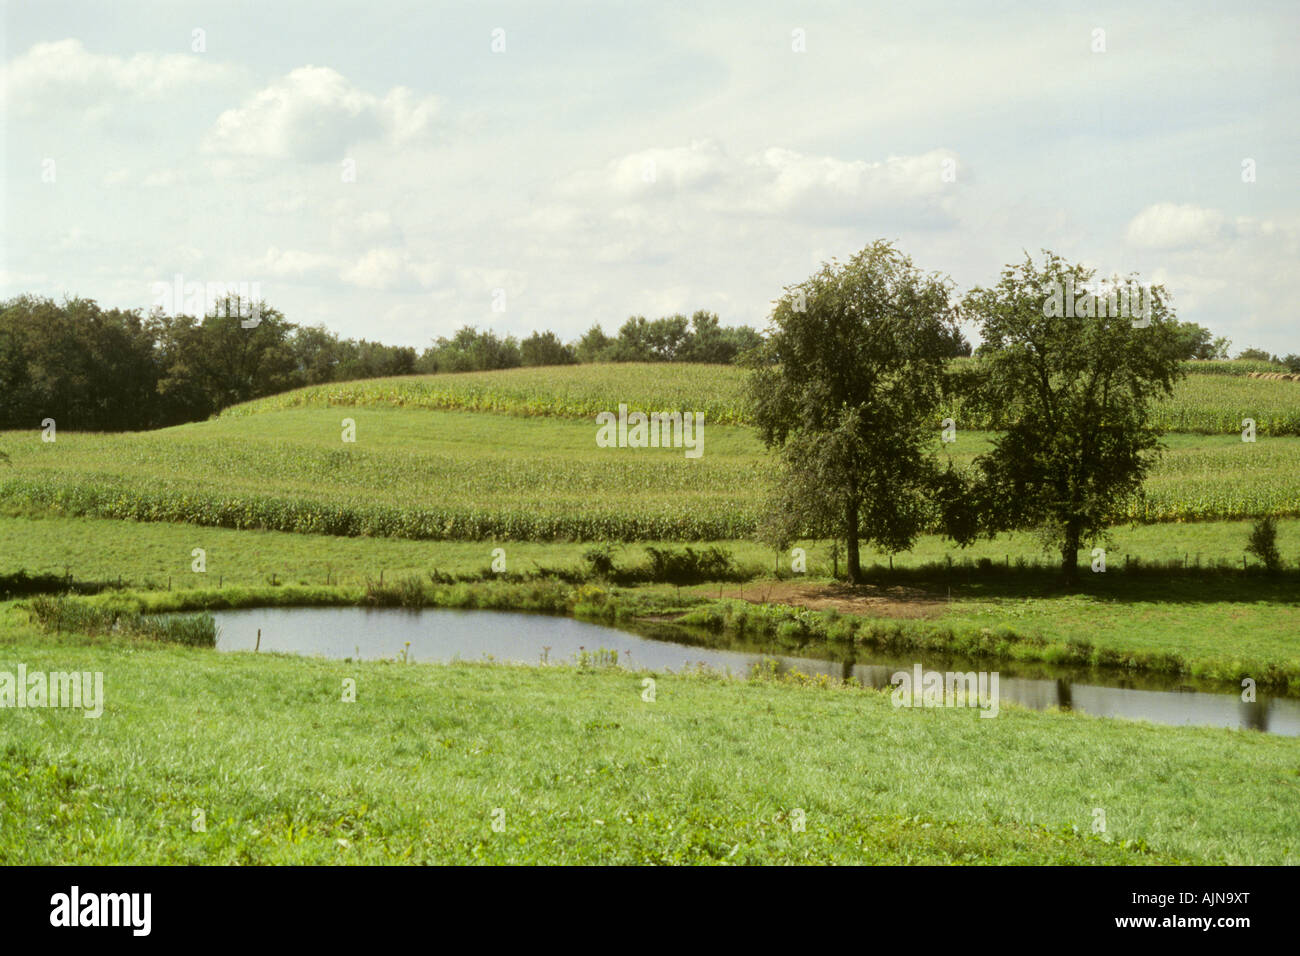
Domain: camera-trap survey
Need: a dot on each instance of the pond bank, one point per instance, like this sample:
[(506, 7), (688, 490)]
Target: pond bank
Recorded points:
[(732, 618)]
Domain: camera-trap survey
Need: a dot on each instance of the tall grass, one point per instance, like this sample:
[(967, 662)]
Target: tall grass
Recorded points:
[(69, 615)]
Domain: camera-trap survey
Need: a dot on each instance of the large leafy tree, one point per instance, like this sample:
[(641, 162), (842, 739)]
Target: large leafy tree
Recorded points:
[(210, 363), (1073, 392), (545, 348), (86, 367), (470, 350), (846, 386)]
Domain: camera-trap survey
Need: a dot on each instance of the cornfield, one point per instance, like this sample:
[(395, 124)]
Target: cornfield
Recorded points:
[(457, 476), (1212, 400), (572, 391)]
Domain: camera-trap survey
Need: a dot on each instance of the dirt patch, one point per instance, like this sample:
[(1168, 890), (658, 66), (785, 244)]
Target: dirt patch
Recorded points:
[(866, 599)]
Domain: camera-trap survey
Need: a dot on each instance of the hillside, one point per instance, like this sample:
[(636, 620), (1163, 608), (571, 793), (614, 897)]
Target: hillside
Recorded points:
[(456, 475), (1212, 400)]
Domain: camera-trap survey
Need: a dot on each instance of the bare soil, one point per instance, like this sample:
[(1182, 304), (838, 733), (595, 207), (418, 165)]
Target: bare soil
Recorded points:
[(865, 599)]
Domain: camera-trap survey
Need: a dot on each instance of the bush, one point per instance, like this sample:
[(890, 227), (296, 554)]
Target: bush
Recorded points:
[(689, 566), (1263, 543), (601, 560)]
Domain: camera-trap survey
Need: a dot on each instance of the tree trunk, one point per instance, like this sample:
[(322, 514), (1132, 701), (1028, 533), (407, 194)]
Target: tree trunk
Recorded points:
[(852, 561), (1070, 554)]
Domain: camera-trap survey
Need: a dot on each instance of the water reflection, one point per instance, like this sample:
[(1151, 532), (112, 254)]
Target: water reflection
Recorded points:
[(442, 635)]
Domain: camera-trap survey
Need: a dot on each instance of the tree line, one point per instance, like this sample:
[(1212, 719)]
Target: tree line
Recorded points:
[(97, 369)]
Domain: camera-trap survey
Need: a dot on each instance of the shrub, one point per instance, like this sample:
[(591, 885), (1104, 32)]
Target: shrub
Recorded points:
[(688, 566), (600, 560), (1263, 543)]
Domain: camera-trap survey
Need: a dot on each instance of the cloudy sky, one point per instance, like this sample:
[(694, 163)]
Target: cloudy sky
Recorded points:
[(393, 169)]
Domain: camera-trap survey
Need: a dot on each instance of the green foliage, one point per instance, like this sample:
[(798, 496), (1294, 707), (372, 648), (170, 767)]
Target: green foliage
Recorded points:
[(95, 369), (470, 350), (845, 387), (81, 365), (600, 560), (689, 566), (545, 348), (1076, 393), (72, 615), (670, 339), (1263, 543), (1212, 399)]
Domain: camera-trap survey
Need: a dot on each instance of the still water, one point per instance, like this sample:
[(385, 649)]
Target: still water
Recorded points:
[(444, 635)]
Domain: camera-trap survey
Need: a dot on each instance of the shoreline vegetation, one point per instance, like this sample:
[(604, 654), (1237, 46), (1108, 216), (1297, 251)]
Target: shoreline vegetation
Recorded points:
[(145, 614)]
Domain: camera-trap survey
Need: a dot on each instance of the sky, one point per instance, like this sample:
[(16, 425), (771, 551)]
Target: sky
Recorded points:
[(395, 170)]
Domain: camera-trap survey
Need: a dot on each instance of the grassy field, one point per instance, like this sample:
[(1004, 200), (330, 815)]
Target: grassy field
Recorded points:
[(148, 554), (585, 771), (1219, 624), (471, 476), (446, 468)]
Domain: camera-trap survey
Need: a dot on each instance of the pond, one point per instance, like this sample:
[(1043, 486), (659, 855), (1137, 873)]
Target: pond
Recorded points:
[(446, 635)]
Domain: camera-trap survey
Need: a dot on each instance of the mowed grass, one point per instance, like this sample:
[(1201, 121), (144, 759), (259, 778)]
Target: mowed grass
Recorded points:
[(580, 769), (1213, 401), (473, 475), (149, 554), (146, 554), (1215, 631)]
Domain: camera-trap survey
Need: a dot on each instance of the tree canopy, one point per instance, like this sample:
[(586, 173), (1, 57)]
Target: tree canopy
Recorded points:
[(1074, 392), (846, 386)]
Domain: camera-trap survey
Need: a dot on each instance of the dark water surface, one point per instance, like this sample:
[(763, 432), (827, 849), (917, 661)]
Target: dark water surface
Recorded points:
[(445, 635)]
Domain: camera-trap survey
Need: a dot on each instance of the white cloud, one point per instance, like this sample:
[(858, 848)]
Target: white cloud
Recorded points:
[(161, 178), (356, 227), (1174, 226), (314, 114), (382, 269), (64, 75), (389, 270), (697, 166), (772, 182), (788, 183), (1241, 283), (295, 264)]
